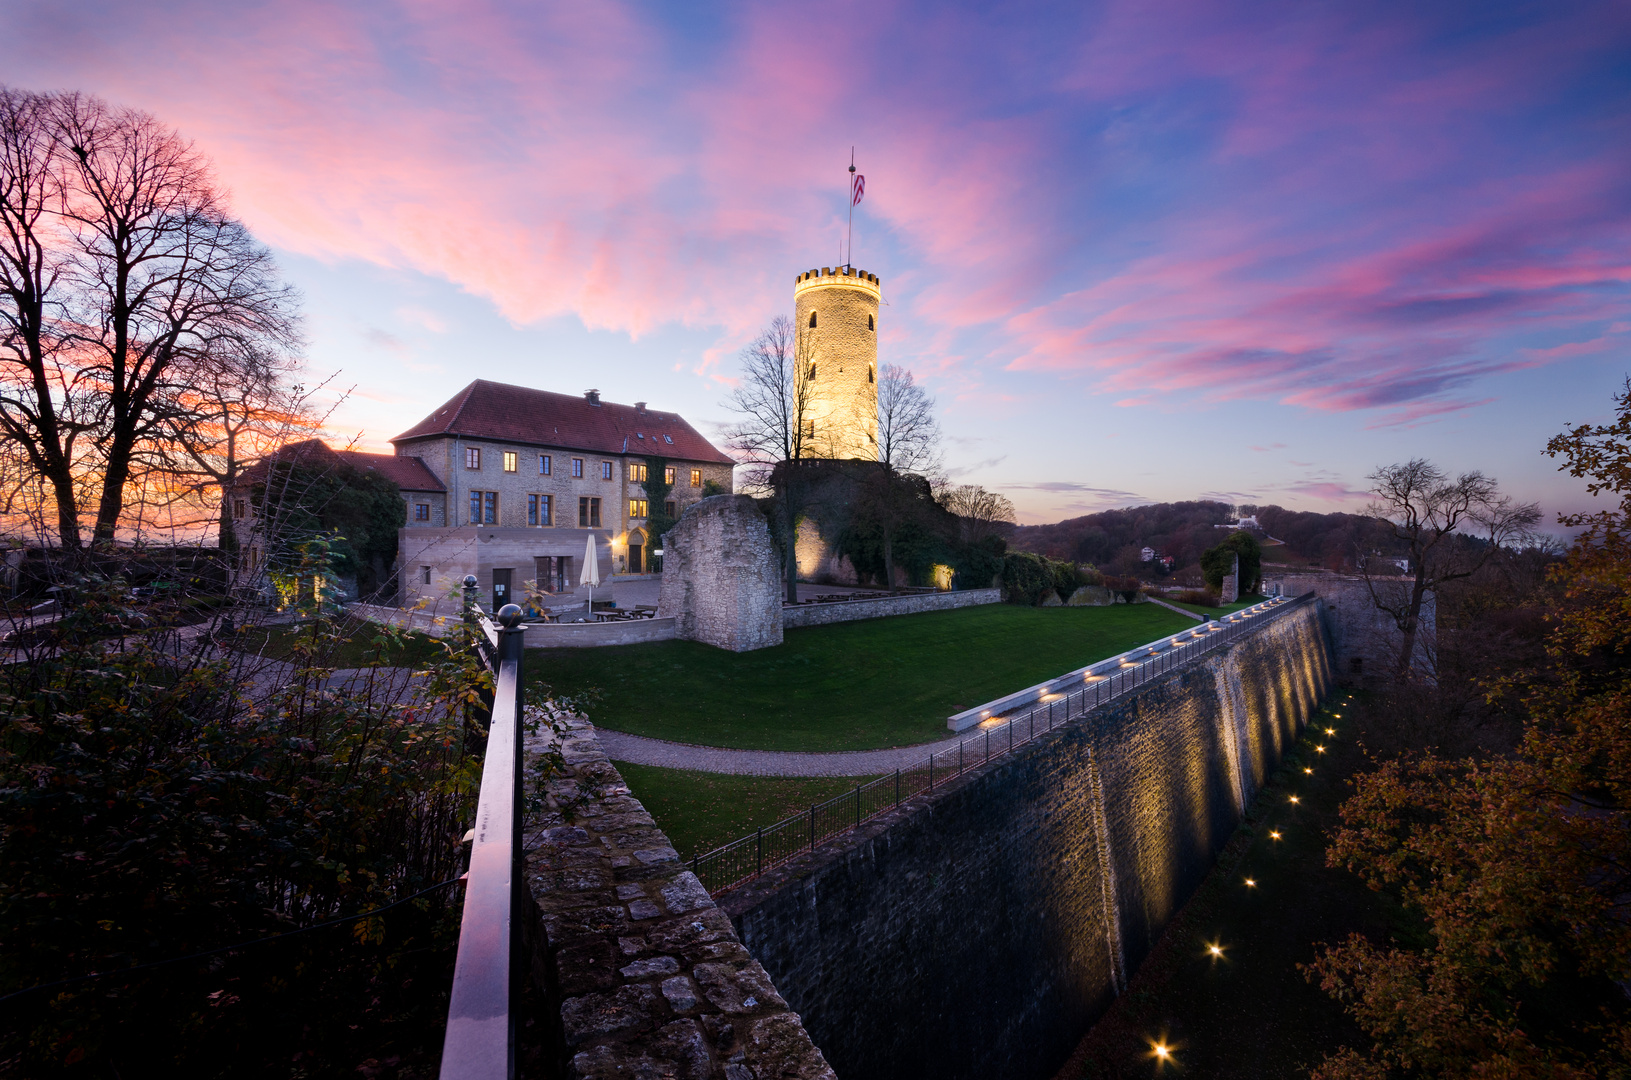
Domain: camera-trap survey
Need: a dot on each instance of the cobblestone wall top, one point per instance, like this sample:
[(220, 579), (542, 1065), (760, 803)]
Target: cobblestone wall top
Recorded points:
[(645, 976)]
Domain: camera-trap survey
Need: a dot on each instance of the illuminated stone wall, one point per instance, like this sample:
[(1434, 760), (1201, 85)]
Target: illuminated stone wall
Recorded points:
[(721, 581), (980, 931), (843, 345)]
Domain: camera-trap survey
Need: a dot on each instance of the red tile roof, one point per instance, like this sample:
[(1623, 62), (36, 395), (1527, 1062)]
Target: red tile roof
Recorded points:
[(408, 473), (519, 414)]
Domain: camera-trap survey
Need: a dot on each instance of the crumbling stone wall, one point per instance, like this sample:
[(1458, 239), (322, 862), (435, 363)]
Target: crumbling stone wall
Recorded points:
[(980, 929), (721, 576), (643, 974)]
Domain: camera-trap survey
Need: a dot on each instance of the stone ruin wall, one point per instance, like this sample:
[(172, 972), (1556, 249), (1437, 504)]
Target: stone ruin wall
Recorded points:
[(642, 975), (721, 579), (979, 930)]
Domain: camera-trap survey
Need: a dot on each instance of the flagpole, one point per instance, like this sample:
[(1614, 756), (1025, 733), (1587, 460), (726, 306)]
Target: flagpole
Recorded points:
[(849, 241)]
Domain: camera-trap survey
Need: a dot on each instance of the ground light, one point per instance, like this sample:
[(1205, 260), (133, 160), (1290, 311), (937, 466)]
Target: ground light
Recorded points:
[(1215, 950), (1161, 1052), (1251, 883), (1330, 731), (1275, 835), (1295, 799), (1310, 772)]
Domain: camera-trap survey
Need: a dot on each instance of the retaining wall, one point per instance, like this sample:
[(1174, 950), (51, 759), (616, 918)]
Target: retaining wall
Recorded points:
[(852, 610), (643, 976), (979, 930)]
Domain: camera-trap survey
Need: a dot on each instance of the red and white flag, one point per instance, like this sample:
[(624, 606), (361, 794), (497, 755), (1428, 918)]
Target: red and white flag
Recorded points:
[(857, 188)]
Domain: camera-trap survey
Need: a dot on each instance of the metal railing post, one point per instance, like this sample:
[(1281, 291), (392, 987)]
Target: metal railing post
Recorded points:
[(897, 787), (760, 867), (812, 826), (931, 772)]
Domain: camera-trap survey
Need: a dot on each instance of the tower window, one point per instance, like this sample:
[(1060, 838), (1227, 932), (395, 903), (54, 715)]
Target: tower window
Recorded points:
[(869, 325), (812, 373), (871, 374), (812, 320)]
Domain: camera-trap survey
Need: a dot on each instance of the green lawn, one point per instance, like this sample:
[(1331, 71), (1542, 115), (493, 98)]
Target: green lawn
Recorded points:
[(853, 686), (1221, 609), (700, 811)]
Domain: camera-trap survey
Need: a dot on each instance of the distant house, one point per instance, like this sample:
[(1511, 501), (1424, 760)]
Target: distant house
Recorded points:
[(1148, 554)]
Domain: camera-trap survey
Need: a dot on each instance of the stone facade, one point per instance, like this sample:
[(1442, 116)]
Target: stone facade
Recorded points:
[(721, 582), (836, 313), (981, 928), (1230, 592), (1364, 639), (433, 562), (643, 975)]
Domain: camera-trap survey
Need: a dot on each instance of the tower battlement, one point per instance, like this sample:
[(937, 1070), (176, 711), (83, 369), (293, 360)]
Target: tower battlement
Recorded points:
[(837, 276)]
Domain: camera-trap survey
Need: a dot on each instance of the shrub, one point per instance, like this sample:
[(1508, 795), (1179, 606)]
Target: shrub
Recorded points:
[(1197, 596), (977, 565), (1127, 587), (1027, 577)]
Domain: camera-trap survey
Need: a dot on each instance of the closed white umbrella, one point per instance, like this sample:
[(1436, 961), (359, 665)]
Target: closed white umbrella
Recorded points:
[(591, 571)]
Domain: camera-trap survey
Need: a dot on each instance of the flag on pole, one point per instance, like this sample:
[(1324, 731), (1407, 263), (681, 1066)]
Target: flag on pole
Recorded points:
[(857, 188)]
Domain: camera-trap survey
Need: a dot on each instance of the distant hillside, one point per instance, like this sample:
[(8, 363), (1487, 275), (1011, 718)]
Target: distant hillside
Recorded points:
[(1114, 538)]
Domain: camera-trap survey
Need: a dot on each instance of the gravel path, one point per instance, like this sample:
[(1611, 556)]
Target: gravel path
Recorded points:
[(640, 750)]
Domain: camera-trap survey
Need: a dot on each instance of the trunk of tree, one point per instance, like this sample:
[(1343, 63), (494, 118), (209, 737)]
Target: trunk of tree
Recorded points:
[(1407, 644), (112, 503), (229, 534), (790, 531)]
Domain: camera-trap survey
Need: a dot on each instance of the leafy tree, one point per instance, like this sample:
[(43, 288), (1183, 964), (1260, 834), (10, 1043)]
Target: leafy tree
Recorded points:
[(1215, 562), (1519, 865), (657, 490), (308, 491)]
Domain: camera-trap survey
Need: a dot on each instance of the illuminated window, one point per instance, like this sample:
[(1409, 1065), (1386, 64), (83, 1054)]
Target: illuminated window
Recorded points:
[(696, 477), (588, 513), (605, 470), (543, 464), (637, 473), (509, 461), (484, 508), (637, 508), (577, 466), (472, 457), (812, 320), (538, 510), (421, 511)]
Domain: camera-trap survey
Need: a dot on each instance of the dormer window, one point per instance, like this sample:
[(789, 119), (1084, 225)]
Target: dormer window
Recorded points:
[(812, 320)]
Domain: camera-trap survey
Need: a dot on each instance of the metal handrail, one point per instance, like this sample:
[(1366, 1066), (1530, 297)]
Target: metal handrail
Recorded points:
[(746, 858), (487, 973)]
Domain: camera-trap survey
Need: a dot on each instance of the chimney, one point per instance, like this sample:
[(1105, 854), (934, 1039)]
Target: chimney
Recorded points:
[(640, 407), (592, 396)]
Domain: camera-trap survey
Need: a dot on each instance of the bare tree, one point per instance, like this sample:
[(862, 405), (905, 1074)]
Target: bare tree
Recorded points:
[(126, 281), (776, 434), (1449, 527), (980, 513), (908, 445)]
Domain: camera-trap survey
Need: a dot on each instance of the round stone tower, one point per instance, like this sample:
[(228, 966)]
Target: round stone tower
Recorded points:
[(836, 312)]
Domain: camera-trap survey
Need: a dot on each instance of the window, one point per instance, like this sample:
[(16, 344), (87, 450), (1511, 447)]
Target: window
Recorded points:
[(871, 375), (669, 439), (543, 464), (577, 466), (510, 460), (637, 508), (605, 470), (809, 429), (424, 575), (668, 508), (472, 457), (588, 513), (240, 508), (538, 510), (668, 476), (812, 373), (421, 511), (812, 320), (484, 508), (696, 477), (637, 473), (869, 325)]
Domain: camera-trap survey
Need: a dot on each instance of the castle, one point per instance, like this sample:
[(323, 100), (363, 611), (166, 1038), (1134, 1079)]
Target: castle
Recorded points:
[(836, 313)]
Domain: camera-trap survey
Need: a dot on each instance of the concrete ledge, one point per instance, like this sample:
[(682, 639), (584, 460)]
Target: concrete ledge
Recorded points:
[(1070, 682), (911, 604), (591, 635)]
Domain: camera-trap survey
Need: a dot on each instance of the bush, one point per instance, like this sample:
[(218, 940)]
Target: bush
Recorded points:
[(1027, 577), (977, 565), (1198, 596), (1127, 587)]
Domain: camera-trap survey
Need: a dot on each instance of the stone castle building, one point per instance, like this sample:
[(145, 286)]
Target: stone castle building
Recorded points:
[(836, 313)]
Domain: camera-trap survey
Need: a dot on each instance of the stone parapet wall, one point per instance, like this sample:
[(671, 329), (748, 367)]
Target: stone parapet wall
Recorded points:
[(643, 974), (981, 928), (721, 582), (851, 610)]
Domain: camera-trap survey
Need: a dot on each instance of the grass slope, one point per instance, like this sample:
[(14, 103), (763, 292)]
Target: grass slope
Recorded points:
[(852, 686), (700, 811), (1222, 609), (1251, 1013), (361, 646)]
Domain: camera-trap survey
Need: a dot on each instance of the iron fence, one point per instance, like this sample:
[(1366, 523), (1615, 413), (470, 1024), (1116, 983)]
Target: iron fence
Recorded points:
[(746, 858)]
